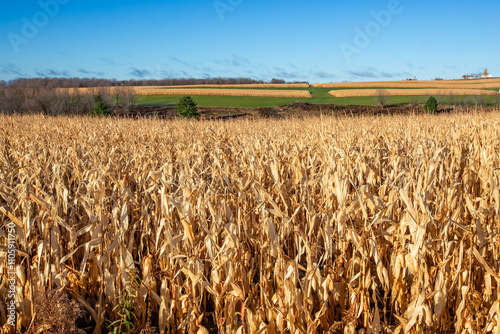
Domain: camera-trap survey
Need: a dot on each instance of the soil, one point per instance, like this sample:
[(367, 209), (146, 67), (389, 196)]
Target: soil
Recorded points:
[(299, 109)]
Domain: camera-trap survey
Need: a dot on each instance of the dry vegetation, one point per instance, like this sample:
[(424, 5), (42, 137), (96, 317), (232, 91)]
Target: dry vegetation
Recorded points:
[(413, 92), (69, 101), (455, 84), (297, 226), (224, 92), (286, 85), (161, 90)]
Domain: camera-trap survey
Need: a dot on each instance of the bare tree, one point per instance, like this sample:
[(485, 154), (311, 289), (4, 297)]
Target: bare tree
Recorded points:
[(126, 97), (382, 96), (14, 98)]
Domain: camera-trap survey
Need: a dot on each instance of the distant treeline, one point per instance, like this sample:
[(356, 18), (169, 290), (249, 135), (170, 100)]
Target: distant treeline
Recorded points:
[(43, 94), (50, 83), (54, 101)]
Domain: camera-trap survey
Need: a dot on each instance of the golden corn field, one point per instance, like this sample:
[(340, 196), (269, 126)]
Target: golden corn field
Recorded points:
[(164, 90), (223, 92), (413, 92), (286, 85), (385, 224), (448, 84)]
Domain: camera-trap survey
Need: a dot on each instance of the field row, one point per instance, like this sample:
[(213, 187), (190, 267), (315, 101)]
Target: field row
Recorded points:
[(411, 92), (299, 85), (223, 92), (154, 90), (455, 84)]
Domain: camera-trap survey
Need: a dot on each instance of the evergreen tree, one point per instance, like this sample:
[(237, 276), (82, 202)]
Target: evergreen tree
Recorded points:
[(431, 105), (100, 107), (187, 108)]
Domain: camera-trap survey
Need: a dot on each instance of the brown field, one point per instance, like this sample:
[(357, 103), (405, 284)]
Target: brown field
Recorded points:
[(455, 84), (381, 224), (419, 92), (222, 92), (300, 85), (163, 90)]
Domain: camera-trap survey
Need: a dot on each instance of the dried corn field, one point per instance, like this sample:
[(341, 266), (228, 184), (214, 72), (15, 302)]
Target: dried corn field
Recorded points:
[(382, 225), (412, 92), (224, 92), (286, 85), (164, 90), (443, 84)]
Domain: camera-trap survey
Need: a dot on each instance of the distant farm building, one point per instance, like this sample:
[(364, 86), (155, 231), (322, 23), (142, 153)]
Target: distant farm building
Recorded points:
[(486, 75)]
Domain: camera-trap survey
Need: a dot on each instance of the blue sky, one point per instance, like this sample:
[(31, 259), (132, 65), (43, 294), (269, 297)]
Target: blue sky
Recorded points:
[(316, 40)]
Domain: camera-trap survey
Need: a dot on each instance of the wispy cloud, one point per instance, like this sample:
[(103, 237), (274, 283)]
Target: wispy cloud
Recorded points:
[(388, 75), (162, 71), (52, 73), (363, 74), (140, 73), (12, 69), (85, 72), (281, 73), (167, 73), (235, 61), (323, 75), (396, 75), (177, 60), (372, 73), (194, 69), (108, 61)]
